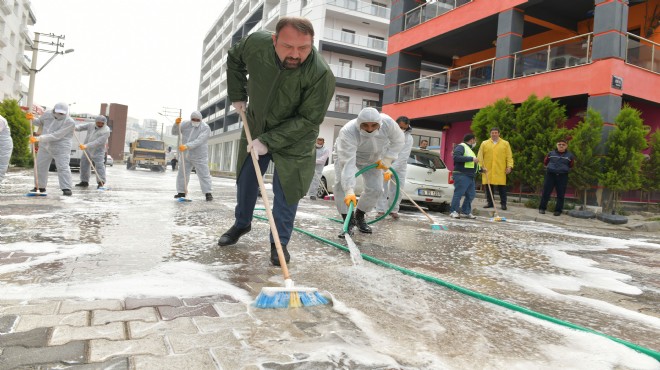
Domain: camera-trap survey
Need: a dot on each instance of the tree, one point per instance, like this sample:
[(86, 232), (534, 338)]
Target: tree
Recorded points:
[(651, 166), (20, 130), (585, 139), (538, 126), (500, 114), (624, 155)]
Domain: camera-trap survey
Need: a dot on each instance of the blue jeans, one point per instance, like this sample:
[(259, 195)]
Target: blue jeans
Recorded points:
[(246, 198), (463, 185)]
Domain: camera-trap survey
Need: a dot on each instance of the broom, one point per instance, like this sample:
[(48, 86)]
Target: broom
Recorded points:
[(35, 193), (98, 178), (277, 297), (183, 167), (497, 217), (434, 226)]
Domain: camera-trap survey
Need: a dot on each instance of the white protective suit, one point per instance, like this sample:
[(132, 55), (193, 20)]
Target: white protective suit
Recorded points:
[(195, 136), (356, 150), (6, 146), (399, 165), (96, 141), (55, 143), (322, 155)]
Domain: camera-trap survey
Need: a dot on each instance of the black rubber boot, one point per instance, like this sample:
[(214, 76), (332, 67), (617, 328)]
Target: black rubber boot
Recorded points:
[(67, 192), (232, 235), (100, 185), (273, 254), (361, 222), (180, 195), (34, 190), (351, 225), (82, 184), (209, 197)]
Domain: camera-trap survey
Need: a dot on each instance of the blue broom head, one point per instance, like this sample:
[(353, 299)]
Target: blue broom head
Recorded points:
[(271, 297), (35, 194)]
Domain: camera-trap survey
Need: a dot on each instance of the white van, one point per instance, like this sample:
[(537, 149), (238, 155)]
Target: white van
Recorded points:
[(428, 181)]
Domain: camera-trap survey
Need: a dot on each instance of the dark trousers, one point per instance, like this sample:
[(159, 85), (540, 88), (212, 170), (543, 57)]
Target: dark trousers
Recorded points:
[(246, 198), (556, 181), (501, 189)]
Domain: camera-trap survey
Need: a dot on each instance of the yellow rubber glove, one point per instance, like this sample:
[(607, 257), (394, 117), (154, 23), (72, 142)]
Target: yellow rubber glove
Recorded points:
[(33, 139), (385, 163), (82, 146), (183, 148), (350, 198), (387, 175), (29, 116), (177, 120)]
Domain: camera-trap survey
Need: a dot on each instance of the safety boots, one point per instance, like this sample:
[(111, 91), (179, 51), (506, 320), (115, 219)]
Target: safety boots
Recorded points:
[(351, 225), (82, 184), (361, 222)]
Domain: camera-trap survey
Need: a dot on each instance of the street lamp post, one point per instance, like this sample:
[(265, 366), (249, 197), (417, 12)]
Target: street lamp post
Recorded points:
[(33, 67)]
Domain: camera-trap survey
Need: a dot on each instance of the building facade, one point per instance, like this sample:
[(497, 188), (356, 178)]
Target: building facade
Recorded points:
[(352, 37), (597, 54), (15, 38)]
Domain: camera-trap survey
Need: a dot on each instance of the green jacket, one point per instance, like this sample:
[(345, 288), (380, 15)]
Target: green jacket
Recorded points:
[(285, 110)]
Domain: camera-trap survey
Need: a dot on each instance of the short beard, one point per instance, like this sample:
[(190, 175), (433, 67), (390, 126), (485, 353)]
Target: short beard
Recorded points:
[(291, 63)]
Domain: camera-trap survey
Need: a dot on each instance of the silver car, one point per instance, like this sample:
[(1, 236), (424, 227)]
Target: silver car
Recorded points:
[(428, 181)]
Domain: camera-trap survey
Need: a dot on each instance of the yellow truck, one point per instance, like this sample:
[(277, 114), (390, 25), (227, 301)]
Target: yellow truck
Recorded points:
[(147, 153)]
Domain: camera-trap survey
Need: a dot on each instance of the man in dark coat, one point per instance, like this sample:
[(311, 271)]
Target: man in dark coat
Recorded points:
[(290, 87), (557, 165)]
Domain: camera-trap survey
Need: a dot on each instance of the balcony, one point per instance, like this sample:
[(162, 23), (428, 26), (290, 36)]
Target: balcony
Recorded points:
[(426, 12), (561, 54), (643, 53), (350, 108), (358, 74), (357, 40), (362, 7), (472, 75), (4, 6)]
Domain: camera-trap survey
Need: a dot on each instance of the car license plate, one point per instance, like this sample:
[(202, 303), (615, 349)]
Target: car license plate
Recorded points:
[(429, 193)]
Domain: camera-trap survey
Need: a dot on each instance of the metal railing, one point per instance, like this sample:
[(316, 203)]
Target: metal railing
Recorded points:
[(362, 7), (643, 53), (353, 39), (570, 52), (471, 75), (430, 10), (358, 74)]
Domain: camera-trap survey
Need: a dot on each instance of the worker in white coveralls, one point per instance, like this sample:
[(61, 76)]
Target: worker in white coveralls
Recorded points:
[(371, 138), (6, 146), (322, 154), (399, 165), (54, 143), (94, 145), (193, 153)]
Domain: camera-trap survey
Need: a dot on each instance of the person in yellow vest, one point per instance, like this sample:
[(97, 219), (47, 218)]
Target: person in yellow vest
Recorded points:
[(496, 161), (466, 166)]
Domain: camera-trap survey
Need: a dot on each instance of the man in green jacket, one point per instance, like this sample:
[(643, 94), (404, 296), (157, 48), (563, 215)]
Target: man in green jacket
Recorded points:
[(289, 88)]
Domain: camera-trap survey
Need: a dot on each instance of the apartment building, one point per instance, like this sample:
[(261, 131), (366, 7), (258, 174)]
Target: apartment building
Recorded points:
[(15, 17), (585, 53), (352, 37)]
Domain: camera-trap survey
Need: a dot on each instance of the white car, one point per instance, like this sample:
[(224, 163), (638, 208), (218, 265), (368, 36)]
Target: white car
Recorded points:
[(109, 161), (428, 181)]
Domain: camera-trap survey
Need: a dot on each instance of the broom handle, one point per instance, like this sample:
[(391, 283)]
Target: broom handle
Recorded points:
[(264, 197), (491, 193), (416, 205), (183, 161), (87, 155)]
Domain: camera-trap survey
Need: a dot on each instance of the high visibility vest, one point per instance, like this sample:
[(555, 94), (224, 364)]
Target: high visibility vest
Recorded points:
[(468, 153)]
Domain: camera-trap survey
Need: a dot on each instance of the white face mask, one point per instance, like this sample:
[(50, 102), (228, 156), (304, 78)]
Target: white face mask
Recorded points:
[(318, 146), (195, 124), (59, 116), (472, 145), (368, 134)]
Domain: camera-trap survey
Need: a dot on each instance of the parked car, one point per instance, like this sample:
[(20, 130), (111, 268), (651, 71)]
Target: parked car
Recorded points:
[(108, 160), (428, 181)]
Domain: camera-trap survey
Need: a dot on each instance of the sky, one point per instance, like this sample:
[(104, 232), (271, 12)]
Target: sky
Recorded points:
[(141, 53)]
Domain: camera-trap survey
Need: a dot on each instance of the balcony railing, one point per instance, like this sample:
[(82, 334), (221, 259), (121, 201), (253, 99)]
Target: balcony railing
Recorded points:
[(643, 53), (362, 7), (350, 108), (430, 10), (273, 12), (358, 74), (476, 74), (353, 39), (571, 52)]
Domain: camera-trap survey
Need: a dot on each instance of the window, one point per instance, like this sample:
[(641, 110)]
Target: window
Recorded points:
[(374, 69), (345, 68), (366, 103), (226, 156), (341, 103), (376, 42), (348, 36)]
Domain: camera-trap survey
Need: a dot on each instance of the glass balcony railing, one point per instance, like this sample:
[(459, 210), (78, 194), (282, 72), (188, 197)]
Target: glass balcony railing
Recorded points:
[(350, 108), (430, 10), (353, 39), (362, 7), (358, 74), (643, 53), (476, 74), (560, 54)]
